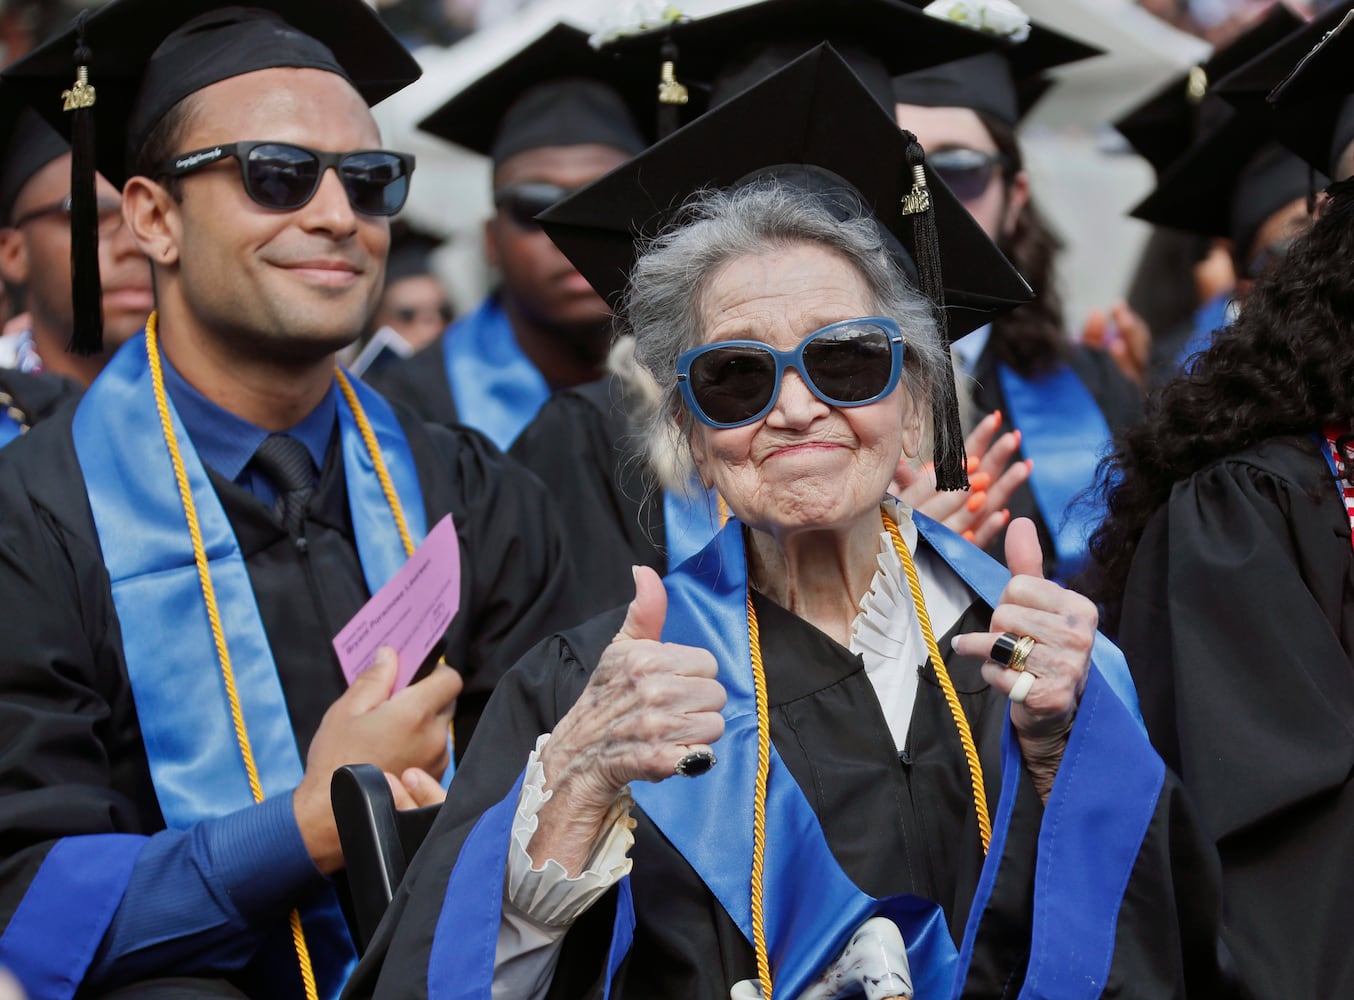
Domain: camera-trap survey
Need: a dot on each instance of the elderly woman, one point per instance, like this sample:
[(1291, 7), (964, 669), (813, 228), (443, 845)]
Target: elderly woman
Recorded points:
[(805, 726)]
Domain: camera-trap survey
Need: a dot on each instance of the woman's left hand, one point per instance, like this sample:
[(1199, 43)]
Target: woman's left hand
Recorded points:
[(1063, 624)]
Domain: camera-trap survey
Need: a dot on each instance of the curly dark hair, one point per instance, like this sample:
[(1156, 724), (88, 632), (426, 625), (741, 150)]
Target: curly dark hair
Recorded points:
[(1031, 339), (1286, 366)]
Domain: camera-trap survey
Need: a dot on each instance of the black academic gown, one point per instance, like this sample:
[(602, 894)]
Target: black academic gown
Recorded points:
[(1117, 398), (897, 823), (420, 383), (37, 395), (1238, 624), (584, 444), (71, 756)]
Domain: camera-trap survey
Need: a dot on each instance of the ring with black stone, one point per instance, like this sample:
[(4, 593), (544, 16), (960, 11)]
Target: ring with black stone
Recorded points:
[(696, 763), (1003, 648)]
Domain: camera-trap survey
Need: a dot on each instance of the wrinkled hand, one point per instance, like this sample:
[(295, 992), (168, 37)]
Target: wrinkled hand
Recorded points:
[(369, 725), (1063, 624), (1124, 336), (981, 513), (646, 706)]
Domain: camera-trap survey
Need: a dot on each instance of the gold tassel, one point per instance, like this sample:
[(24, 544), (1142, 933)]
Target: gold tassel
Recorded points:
[(81, 95), (670, 91), (918, 200)]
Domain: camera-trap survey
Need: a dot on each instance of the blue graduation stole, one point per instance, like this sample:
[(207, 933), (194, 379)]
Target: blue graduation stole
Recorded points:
[(172, 664), (9, 428), (496, 388), (1094, 822), (1208, 319), (1064, 432), (690, 520)]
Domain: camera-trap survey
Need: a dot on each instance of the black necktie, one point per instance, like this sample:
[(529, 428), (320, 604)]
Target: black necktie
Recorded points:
[(286, 462)]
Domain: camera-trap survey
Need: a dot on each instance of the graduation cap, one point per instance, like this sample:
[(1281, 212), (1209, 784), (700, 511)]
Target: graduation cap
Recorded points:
[(1314, 104), (703, 62), (1228, 186), (1004, 84), (411, 252), (117, 71), (557, 91), (1162, 128), (27, 144), (812, 124)]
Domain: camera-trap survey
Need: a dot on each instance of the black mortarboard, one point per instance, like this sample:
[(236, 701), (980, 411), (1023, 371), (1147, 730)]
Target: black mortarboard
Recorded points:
[(719, 55), (810, 120), (557, 91), (137, 59), (1227, 185), (27, 144), (411, 252), (1162, 128), (1003, 84), (1314, 111)]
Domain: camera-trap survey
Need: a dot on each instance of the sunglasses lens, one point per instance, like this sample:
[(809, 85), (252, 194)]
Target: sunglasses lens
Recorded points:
[(523, 202), (850, 363), (733, 384), (377, 182), (966, 172), (281, 176)]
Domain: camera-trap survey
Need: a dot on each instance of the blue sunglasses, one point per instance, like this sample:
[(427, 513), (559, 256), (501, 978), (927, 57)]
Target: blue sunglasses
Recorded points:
[(736, 382)]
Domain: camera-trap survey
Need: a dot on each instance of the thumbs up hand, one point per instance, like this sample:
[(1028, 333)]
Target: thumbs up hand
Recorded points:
[(1063, 624), (647, 705)]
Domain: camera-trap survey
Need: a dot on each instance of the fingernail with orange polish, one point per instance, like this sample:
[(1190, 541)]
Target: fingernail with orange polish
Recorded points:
[(980, 482), (976, 501), (968, 535)]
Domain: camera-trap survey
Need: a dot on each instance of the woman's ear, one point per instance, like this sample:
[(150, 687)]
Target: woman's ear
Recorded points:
[(694, 435), (912, 429), (151, 213), (1017, 197)]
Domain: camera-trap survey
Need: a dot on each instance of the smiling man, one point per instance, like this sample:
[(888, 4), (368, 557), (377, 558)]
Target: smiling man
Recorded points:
[(178, 552)]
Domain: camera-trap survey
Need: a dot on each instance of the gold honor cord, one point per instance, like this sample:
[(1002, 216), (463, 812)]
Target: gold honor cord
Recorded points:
[(209, 591), (975, 768), (764, 749)]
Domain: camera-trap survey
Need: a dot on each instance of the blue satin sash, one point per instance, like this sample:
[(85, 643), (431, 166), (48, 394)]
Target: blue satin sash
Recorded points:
[(1097, 815), (59, 924), (690, 520), (9, 428), (1064, 432), (1208, 319), (167, 640), (496, 388)]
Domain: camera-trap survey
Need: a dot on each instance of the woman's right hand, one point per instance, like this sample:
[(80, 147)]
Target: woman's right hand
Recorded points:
[(648, 704)]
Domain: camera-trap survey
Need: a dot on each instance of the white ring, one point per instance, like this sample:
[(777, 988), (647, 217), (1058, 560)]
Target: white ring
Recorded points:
[(1021, 688)]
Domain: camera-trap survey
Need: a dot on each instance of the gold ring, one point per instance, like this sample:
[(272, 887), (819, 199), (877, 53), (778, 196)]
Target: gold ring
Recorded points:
[(1023, 648)]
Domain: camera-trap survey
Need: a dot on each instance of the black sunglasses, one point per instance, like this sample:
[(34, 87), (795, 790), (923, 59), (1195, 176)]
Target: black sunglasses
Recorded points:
[(524, 201), (966, 172), (284, 176), (731, 383)]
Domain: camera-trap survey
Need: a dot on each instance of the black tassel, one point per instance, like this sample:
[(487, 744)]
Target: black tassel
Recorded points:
[(947, 433), (672, 94), (86, 289)]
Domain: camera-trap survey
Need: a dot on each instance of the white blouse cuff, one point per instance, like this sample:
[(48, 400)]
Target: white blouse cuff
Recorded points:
[(546, 894)]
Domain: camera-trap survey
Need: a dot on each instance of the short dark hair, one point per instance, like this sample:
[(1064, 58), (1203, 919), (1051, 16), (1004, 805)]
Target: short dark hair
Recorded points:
[(162, 144)]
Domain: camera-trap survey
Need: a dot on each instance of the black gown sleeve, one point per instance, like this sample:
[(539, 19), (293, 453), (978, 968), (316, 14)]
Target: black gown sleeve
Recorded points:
[(1238, 625)]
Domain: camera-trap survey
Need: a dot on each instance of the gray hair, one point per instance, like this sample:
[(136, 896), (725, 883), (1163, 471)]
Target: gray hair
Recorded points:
[(663, 306)]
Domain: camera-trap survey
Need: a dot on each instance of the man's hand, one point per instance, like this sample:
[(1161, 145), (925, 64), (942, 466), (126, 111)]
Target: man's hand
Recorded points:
[(369, 725)]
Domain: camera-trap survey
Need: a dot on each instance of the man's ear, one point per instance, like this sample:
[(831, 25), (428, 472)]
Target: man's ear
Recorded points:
[(14, 263), (1017, 197), (151, 213), (491, 241)]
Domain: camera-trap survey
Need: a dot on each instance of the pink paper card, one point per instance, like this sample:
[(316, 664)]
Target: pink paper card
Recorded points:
[(411, 612)]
